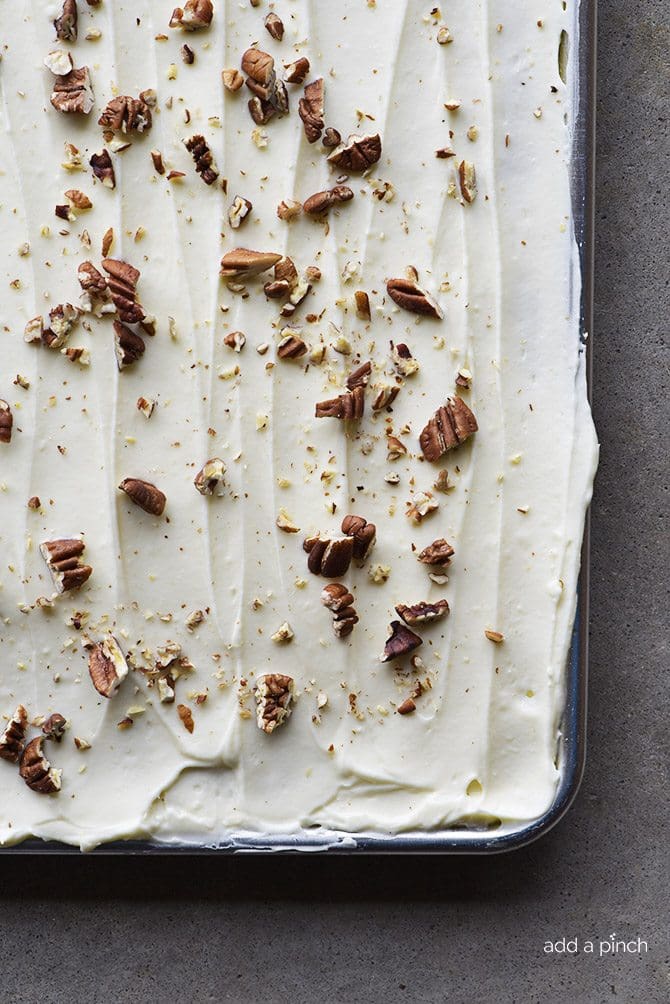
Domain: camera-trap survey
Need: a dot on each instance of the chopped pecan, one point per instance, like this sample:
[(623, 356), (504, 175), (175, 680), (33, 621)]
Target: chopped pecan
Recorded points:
[(145, 495), (241, 263), (288, 209), (347, 407), (364, 535), (407, 707), (157, 160), (59, 62), (339, 600), (73, 92), (451, 425), (103, 168), (438, 553), (395, 448), (261, 111), (495, 636), (404, 361), (122, 284), (126, 114), (362, 305), (232, 79), (235, 340), (258, 65), (297, 71), (321, 202), (401, 642), (62, 319), (239, 211), (310, 109), (36, 770), (128, 346), (385, 396), (358, 153), (210, 478), (6, 422), (187, 54), (107, 665), (62, 558), (274, 26), (13, 738), (329, 557), (422, 613), (66, 24), (204, 160), (360, 376), (193, 16), (291, 347), (78, 200), (186, 717), (467, 178), (274, 693), (54, 727), (331, 138), (410, 296)]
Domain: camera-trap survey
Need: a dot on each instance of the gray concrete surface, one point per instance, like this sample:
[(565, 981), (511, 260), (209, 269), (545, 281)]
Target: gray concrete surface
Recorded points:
[(453, 929)]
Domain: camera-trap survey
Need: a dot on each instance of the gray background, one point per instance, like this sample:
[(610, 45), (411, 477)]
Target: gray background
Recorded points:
[(419, 929)]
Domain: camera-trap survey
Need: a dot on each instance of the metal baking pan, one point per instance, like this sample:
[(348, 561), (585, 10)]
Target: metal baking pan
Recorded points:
[(572, 743)]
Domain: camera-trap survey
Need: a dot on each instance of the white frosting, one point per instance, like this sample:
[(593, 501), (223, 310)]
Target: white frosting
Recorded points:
[(482, 742)]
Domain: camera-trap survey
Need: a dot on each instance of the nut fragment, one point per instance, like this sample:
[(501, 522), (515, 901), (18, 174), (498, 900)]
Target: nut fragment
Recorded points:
[(360, 376), (210, 479), (422, 613), (232, 79), (145, 495), (310, 109), (451, 425), (339, 600), (364, 535), (193, 16), (358, 153), (107, 665), (241, 263), (362, 305), (103, 168), (495, 636), (73, 92), (275, 26), (126, 114), (36, 770), (54, 727), (122, 284), (346, 407), (62, 319), (438, 553), (291, 347), (6, 422), (401, 642), (204, 160), (329, 557), (321, 202), (468, 180), (283, 635), (239, 211), (59, 62), (410, 296), (288, 209), (186, 717), (62, 558), (128, 346), (407, 707), (258, 65), (274, 693), (12, 740), (297, 71), (66, 24)]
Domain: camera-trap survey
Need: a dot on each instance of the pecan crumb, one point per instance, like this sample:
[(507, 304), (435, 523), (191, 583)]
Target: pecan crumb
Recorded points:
[(54, 727), (66, 23), (210, 479), (232, 79), (128, 346), (439, 552), (400, 642), (360, 376), (193, 16), (310, 109), (12, 740), (468, 181), (202, 155), (107, 665), (297, 71), (407, 707), (6, 422), (275, 26), (73, 92), (103, 169), (495, 636), (145, 495), (346, 407), (186, 717), (274, 693), (239, 211), (36, 770)]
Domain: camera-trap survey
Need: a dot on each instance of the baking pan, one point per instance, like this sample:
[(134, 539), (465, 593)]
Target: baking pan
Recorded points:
[(572, 742)]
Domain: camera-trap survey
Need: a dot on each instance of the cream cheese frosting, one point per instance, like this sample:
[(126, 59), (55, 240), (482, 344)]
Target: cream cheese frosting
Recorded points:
[(216, 582)]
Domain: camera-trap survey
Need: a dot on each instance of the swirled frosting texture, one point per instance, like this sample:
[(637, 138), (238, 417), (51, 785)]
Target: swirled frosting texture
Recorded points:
[(482, 741)]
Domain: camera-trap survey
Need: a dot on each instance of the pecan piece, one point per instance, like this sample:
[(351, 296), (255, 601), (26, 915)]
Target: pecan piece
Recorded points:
[(186, 717), (62, 558), (451, 425), (407, 707), (36, 770), (410, 296), (73, 92), (145, 495), (321, 202), (107, 665), (241, 263), (310, 109), (204, 160), (128, 346), (400, 642), (291, 347), (126, 114), (297, 71), (357, 154), (66, 24), (274, 26), (339, 600), (258, 65), (62, 319), (467, 178), (193, 16), (13, 738), (122, 284), (103, 169), (96, 291), (239, 211), (210, 478), (329, 557), (363, 533), (360, 376), (422, 613), (362, 305), (439, 552), (346, 407), (54, 727), (274, 693), (232, 79), (6, 422)]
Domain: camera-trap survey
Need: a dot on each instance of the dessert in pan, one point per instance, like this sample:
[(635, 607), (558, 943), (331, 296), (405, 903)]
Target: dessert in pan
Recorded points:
[(295, 447)]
